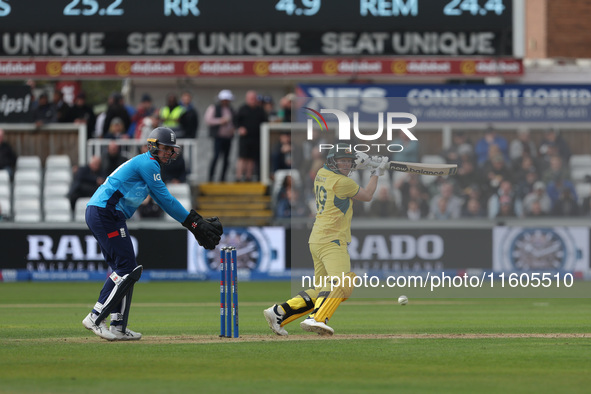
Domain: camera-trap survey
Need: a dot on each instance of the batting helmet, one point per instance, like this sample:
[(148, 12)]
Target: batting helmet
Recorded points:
[(339, 151), (163, 136)]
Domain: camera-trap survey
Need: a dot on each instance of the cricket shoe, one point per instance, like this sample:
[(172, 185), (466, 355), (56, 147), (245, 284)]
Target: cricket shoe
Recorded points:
[(128, 335), (274, 320), (101, 329), (311, 325)]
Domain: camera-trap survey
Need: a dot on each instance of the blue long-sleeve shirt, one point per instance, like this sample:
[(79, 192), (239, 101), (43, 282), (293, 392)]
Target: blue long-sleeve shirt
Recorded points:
[(129, 185)]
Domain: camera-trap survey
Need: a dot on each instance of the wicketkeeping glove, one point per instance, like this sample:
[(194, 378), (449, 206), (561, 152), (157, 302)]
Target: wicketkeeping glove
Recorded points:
[(207, 232), (380, 165), (215, 221)]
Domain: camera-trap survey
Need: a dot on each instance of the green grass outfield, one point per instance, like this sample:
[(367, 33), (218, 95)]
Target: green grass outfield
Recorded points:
[(428, 346)]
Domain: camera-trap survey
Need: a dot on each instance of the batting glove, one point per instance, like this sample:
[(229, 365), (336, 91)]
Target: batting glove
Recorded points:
[(363, 161), (381, 167)]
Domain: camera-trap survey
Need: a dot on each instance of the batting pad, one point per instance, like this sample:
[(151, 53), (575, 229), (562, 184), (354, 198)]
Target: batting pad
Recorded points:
[(299, 306), (334, 299), (123, 285)]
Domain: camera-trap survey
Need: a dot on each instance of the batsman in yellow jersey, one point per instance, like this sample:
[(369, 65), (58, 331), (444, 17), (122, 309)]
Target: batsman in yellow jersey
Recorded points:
[(328, 242)]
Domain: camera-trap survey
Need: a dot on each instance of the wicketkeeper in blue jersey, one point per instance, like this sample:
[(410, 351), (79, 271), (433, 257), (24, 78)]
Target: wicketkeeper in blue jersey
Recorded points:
[(112, 204)]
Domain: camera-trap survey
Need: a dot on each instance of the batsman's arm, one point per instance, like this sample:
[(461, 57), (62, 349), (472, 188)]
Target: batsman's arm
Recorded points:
[(366, 193)]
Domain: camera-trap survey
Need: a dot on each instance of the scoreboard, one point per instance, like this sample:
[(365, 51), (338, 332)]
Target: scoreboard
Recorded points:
[(257, 27)]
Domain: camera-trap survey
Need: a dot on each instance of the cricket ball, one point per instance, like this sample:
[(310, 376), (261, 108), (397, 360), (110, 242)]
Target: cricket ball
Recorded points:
[(403, 300)]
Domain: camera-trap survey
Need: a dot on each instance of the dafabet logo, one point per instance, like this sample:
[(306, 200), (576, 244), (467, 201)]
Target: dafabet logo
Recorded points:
[(344, 129)]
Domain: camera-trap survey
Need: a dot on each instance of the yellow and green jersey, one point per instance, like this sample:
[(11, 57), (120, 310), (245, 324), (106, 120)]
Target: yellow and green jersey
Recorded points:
[(334, 207)]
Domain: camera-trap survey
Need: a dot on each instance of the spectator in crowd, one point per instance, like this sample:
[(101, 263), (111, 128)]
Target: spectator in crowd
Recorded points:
[(411, 188), (189, 119), (117, 130), (311, 158), (472, 192), (82, 113), (504, 195), (299, 208), (145, 126), (467, 175), (552, 144), (170, 115), (175, 172), (413, 211), (495, 172), (383, 206), (116, 109), (473, 209), (556, 169), (62, 109), (144, 109), (522, 167), (586, 206), (522, 146), (284, 199), (441, 211), (450, 208), (130, 131), (410, 153), (220, 119), (7, 155), (563, 195), (526, 185), (506, 209), (44, 112), (86, 180), (284, 112), (149, 209), (269, 107), (483, 146), (289, 204), (281, 153), (460, 149), (537, 196), (112, 158), (316, 162), (248, 120), (536, 210)]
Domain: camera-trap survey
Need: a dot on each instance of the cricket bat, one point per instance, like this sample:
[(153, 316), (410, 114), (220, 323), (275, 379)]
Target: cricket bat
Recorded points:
[(424, 169)]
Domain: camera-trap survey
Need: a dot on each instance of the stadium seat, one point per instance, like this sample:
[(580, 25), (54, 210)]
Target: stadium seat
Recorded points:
[(180, 190), (58, 176), (58, 162), (185, 202), (28, 217), (27, 192), (4, 177), (57, 209), (578, 174), (27, 177), (5, 206), (28, 163), (27, 210), (80, 209), (580, 161), (55, 190), (583, 191), (5, 191)]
